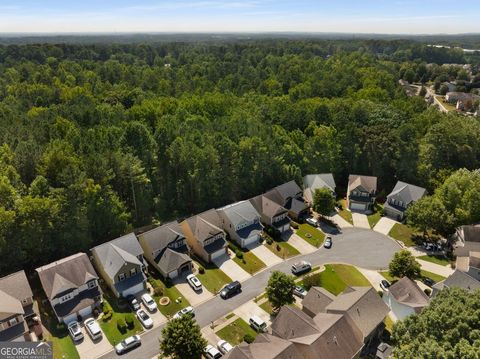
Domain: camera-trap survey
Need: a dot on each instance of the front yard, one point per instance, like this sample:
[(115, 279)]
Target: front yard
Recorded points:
[(435, 277), (162, 289), (234, 332), (437, 259), (312, 235), (403, 233), (376, 215), (343, 212), (282, 249), (249, 261), (212, 278)]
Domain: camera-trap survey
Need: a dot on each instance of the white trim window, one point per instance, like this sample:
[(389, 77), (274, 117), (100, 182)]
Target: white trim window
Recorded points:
[(133, 271), (121, 276), (66, 297), (92, 284), (13, 322)]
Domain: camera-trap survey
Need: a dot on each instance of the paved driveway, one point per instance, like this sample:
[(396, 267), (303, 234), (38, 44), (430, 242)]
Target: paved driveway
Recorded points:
[(384, 225), (339, 221), (300, 244), (444, 271), (360, 220), (264, 254), (250, 308), (373, 277), (192, 296), (88, 349), (230, 268)]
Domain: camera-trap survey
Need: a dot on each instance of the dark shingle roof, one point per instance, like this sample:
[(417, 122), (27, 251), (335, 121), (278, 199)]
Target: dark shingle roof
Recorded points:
[(407, 292), (159, 238), (265, 346), (170, 260), (459, 279), (16, 285), (317, 300), (205, 225), (266, 206), (407, 193)]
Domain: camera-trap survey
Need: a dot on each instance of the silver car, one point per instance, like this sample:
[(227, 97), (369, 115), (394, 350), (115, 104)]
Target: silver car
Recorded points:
[(144, 318), (182, 312), (128, 344), (75, 331)]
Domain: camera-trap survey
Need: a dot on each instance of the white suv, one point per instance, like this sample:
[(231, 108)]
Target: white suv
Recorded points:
[(93, 329), (149, 302), (212, 353), (312, 221), (194, 282), (75, 331)]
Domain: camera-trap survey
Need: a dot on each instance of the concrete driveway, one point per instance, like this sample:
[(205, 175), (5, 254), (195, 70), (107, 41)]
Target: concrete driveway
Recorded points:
[(89, 349), (373, 277), (300, 244), (230, 268), (360, 220), (264, 254), (191, 295), (339, 221), (250, 308), (384, 225), (157, 316)]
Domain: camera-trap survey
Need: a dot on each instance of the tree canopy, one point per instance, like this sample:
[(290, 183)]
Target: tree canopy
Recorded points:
[(280, 289), (404, 264), (323, 201)]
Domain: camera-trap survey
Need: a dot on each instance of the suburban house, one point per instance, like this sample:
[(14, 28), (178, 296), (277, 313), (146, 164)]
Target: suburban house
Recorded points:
[(317, 181), (361, 192), (316, 301), (271, 213), (454, 97), (242, 222), (402, 196), (16, 307), (384, 351), (457, 279), (205, 235), (121, 264), (325, 336), (71, 286), (290, 196), (470, 264), (467, 240), (165, 248), (265, 346), (404, 298)]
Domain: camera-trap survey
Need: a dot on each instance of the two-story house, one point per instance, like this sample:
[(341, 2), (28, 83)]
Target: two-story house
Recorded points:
[(205, 235), (71, 286), (242, 222), (402, 196), (404, 298), (361, 193), (317, 181), (165, 248), (121, 264), (16, 307), (290, 196), (271, 213)]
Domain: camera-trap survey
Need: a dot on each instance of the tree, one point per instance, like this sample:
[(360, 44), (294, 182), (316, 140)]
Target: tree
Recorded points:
[(404, 264), (448, 328), (280, 290), (182, 339), (429, 213), (423, 92), (323, 201)]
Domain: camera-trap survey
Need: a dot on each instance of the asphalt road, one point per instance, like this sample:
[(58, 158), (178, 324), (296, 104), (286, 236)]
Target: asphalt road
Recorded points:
[(360, 247)]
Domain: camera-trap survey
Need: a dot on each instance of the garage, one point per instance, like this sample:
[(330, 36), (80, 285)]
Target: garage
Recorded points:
[(217, 254), (250, 240), (358, 206), (70, 318), (133, 290)]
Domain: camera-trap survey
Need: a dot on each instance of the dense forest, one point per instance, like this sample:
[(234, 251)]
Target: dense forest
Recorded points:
[(98, 139)]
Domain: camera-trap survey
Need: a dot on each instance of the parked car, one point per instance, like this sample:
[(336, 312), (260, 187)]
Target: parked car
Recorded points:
[(385, 284), (194, 282), (231, 289), (428, 281), (182, 312), (328, 242), (301, 267), (224, 346), (212, 353), (133, 303), (258, 324), (149, 302), (128, 344), (312, 221), (299, 292), (144, 318), (75, 331), (93, 329)]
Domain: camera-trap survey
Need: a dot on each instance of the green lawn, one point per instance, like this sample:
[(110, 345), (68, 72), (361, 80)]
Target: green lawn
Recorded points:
[(344, 213), (266, 306), (282, 249), (250, 262), (213, 279), (376, 215), (388, 277), (63, 346), (350, 275), (441, 260), (234, 332), (166, 291), (437, 278), (312, 235), (402, 233)]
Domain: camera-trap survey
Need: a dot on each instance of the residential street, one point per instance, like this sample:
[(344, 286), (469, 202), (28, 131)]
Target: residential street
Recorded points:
[(359, 247)]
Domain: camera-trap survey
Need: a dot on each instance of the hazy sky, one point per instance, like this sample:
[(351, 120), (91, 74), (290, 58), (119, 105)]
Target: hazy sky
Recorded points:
[(374, 16)]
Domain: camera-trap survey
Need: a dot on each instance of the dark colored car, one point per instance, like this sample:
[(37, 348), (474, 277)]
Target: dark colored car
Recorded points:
[(231, 289), (385, 284), (428, 281), (133, 303), (328, 242)]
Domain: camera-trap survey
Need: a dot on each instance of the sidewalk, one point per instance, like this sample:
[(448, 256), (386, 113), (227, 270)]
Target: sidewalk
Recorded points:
[(444, 271), (373, 277)]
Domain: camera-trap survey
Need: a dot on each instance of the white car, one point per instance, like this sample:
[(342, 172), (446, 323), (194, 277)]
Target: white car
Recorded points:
[(93, 329), (182, 312), (301, 267), (194, 282), (224, 346), (149, 302), (128, 344), (258, 324), (144, 318), (75, 331), (312, 221), (212, 353)]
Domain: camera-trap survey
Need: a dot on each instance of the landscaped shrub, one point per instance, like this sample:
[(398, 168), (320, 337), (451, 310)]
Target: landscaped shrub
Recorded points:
[(427, 291), (129, 320), (248, 338), (107, 316), (294, 224), (269, 240), (121, 325), (312, 280), (201, 270), (106, 307), (239, 254), (158, 291)]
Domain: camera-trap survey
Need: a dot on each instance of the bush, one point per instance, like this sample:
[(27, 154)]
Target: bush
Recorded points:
[(239, 254), (269, 240), (294, 224), (427, 291), (380, 293), (122, 327), (201, 270), (278, 248), (129, 321), (106, 307), (248, 338), (107, 316), (261, 240), (158, 291), (312, 280)]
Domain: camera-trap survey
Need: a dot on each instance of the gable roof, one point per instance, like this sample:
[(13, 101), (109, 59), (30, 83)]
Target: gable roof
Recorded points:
[(265, 346), (205, 225), (66, 274), (16, 285), (317, 300), (9, 306), (407, 292), (320, 180), (159, 238), (407, 193), (239, 212), (459, 279), (288, 190), (471, 233), (369, 183), (266, 206)]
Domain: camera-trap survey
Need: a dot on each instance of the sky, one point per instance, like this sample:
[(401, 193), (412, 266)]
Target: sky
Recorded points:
[(199, 16)]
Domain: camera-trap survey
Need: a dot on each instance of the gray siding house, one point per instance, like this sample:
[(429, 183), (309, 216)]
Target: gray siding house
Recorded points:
[(290, 196), (361, 193), (402, 196), (317, 181)]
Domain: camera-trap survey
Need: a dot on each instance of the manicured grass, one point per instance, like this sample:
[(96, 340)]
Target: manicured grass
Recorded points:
[(234, 332), (436, 277), (63, 346), (266, 306), (213, 279), (312, 235), (376, 215), (250, 262), (344, 213), (350, 275), (286, 250), (229, 315), (441, 260), (388, 277), (260, 297), (402, 233), (167, 291)]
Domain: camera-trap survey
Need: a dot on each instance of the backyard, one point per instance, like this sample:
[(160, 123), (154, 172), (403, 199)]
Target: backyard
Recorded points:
[(343, 212), (161, 289), (312, 235), (212, 278), (234, 332)]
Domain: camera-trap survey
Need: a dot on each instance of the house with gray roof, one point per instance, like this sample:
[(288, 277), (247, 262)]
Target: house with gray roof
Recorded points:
[(467, 239), (265, 346), (16, 307), (271, 213), (205, 235), (405, 297), (121, 264), (316, 301), (71, 286), (165, 248), (458, 279), (242, 222), (317, 181), (402, 196), (290, 196), (361, 193)]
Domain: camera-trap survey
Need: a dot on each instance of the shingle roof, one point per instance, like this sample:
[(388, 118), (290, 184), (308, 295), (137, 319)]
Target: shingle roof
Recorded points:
[(171, 260), (66, 274), (317, 300), (266, 206), (240, 212), (288, 190), (9, 305), (205, 225), (317, 181), (265, 346), (368, 183), (16, 285), (159, 238), (407, 292), (407, 193), (459, 279)]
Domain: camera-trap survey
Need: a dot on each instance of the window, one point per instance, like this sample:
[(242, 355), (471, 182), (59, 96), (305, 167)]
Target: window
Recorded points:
[(121, 276), (66, 297), (13, 321), (133, 271), (92, 284)]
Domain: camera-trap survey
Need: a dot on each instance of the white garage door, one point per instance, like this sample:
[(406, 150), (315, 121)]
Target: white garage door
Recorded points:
[(251, 240), (217, 254), (173, 274), (85, 312), (70, 318), (358, 206), (133, 290)]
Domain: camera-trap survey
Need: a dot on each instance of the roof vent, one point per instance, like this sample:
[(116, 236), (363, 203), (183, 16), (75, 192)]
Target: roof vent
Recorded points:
[(335, 339)]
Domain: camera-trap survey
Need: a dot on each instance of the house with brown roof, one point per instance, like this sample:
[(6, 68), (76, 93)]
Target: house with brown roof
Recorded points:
[(405, 297), (205, 235), (271, 213), (16, 307), (290, 196), (361, 193), (467, 239), (265, 346), (165, 248), (316, 301), (71, 286)]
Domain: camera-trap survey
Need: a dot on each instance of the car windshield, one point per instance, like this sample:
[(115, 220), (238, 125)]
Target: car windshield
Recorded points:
[(143, 315)]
